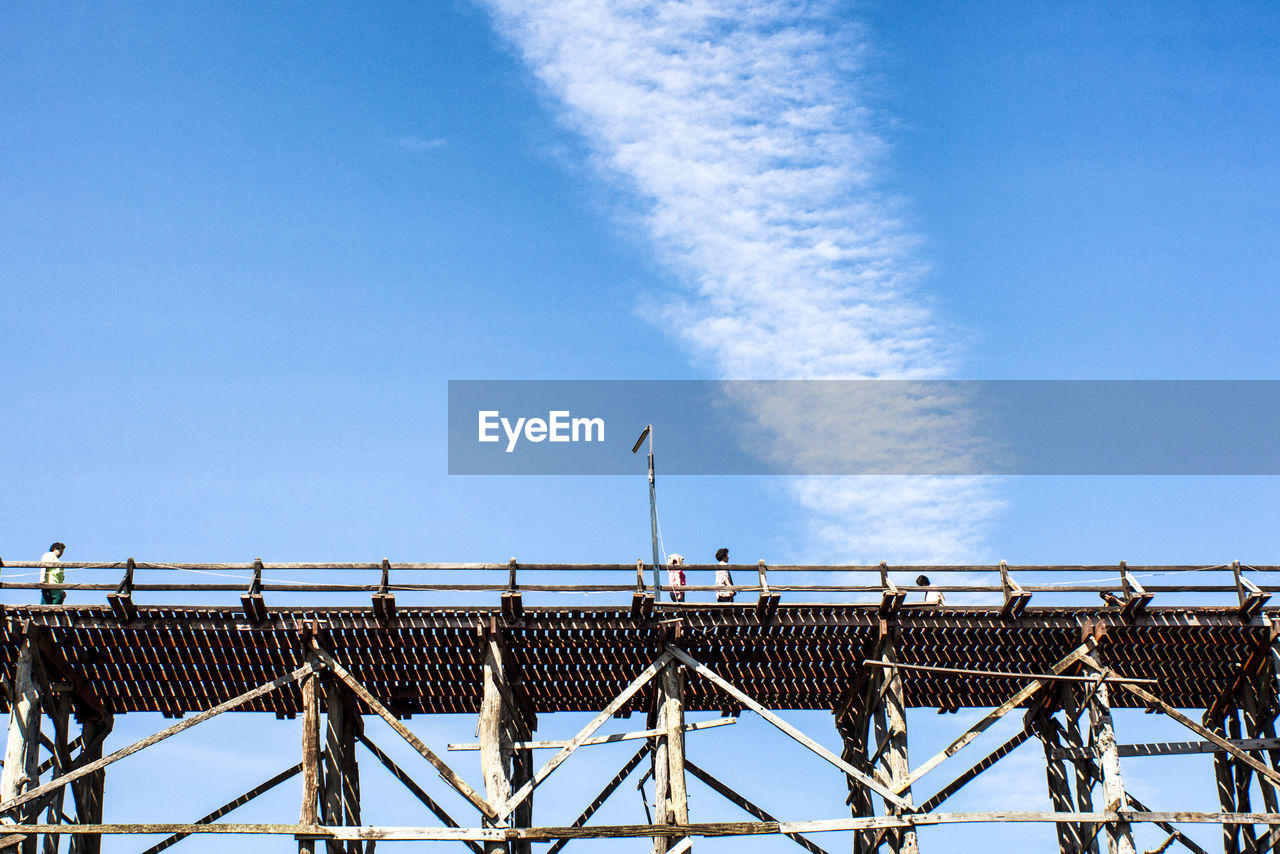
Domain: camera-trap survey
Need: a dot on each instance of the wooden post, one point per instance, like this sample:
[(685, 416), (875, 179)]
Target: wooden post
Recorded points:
[(673, 697), (1260, 709), (661, 766), (60, 714), (1056, 777), (1102, 734), (351, 727), (22, 752), (88, 790), (311, 772), (335, 757), (894, 704), (1070, 696), (495, 756)]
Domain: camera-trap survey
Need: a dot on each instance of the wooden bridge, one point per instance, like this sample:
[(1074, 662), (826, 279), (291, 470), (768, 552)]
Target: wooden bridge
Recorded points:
[(410, 639)]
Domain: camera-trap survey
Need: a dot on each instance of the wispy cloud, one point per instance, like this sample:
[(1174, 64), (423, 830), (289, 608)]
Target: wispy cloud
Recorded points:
[(740, 129), (417, 143)]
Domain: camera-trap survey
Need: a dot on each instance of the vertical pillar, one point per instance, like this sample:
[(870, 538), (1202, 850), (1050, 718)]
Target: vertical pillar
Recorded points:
[(338, 754), (1070, 696), (88, 790), (894, 704), (671, 800), (22, 752), (1260, 711), (351, 726), (1244, 776), (1102, 735), (521, 773), (311, 772), (1056, 777), (60, 715), (495, 755)]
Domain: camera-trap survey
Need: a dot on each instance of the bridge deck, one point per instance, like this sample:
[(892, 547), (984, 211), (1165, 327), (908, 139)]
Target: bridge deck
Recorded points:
[(177, 660)]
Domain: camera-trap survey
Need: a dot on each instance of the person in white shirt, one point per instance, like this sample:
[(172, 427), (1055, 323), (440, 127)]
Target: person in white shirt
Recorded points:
[(53, 575), (931, 597), (723, 578)]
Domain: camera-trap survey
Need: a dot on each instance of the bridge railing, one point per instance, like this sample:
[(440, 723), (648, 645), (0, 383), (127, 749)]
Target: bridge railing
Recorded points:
[(1011, 587)]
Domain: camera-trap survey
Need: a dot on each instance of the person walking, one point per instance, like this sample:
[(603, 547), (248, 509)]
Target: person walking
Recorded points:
[(724, 580), (53, 574), (675, 577)]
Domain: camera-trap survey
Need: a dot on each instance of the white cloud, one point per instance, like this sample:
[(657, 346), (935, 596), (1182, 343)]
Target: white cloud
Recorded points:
[(417, 143), (739, 127)]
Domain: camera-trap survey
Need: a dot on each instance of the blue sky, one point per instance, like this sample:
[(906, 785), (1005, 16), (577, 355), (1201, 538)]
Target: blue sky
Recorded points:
[(243, 249)]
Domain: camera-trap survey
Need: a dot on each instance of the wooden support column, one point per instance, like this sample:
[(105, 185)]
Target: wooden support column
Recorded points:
[(672, 682), (1070, 696), (22, 752), (89, 789), (495, 751), (340, 803), (311, 771), (1260, 710), (1222, 769), (894, 705), (60, 715), (1102, 734), (853, 720), (671, 799), (1047, 729)]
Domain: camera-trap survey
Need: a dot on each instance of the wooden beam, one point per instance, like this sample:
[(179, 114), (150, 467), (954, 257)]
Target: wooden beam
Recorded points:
[(235, 702), (1004, 674), (1173, 748), (977, 768), (91, 705), (673, 696), (446, 773), (601, 739), (742, 803), (709, 829), (746, 700), (604, 794), (21, 778), (1102, 733), (312, 780), (617, 703), (494, 759), (410, 784), (1076, 655), (88, 791)]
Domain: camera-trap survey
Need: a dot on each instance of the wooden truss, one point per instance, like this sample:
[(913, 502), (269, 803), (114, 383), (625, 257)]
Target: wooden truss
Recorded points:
[(1065, 703)]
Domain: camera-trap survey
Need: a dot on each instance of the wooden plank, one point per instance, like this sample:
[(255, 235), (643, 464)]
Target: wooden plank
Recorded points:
[(99, 764), (1003, 674), (493, 758), (1102, 732), (1198, 729), (673, 695), (733, 691), (446, 773), (1173, 748), (617, 703), (22, 751), (642, 830), (311, 779), (996, 714)]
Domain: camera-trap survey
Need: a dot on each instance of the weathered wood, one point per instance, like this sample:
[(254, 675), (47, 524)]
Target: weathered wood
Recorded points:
[(22, 751), (617, 703), (673, 694), (1085, 771), (605, 739), (312, 779), (1174, 748), (59, 714), (643, 830), (746, 700), (661, 770), (446, 773), (410, 784), (1002, 674), (1076, 655), (742, 803), (495, 759), (604, 794), (974, 771), (88, 790), (229, 806), (1119, 833), (894, 708), (334, 755)]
